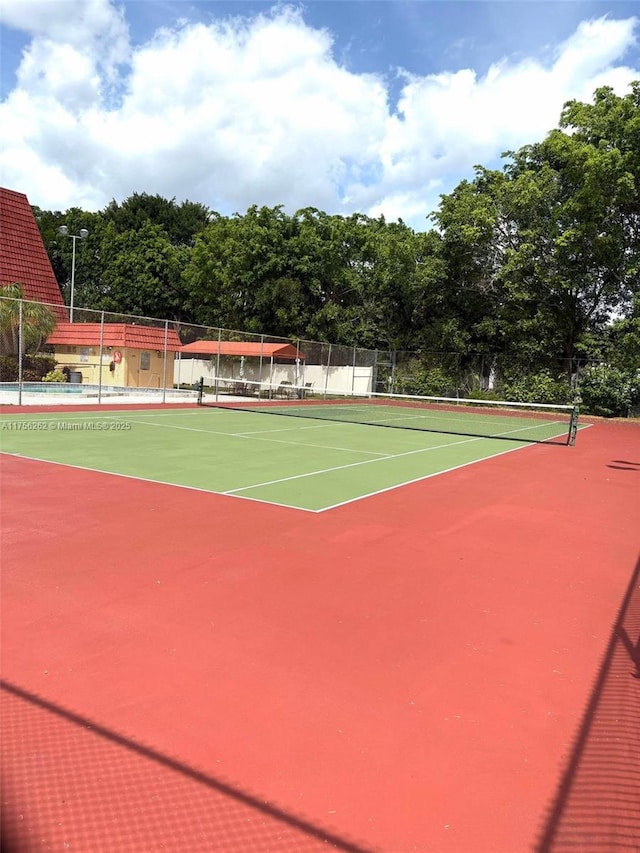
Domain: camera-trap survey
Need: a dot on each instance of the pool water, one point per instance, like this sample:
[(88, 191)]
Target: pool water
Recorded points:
[(43, 387)]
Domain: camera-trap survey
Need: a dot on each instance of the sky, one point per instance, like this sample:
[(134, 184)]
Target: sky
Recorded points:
[(367, 106)]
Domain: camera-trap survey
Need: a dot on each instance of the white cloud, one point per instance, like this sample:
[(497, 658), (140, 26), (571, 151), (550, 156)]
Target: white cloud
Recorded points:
[(447, 123), (60, 72), (96, 27), (260, 111)]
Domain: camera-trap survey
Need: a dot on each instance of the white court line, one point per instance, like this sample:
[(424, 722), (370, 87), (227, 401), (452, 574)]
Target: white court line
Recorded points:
[(424, 477), (351, 465), (250, 437), (234, 492), (326, 422), (522, 429), (294, 508), (423, 414), (154, 482), (180, 412), (368, 461), (329, 421), (522, 446), (248, 434)]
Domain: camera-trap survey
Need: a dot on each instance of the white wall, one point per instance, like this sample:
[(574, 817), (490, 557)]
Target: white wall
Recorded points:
[(345, 380)]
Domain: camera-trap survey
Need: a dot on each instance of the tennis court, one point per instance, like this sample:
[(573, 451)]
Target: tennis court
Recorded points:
[(311, 455), (225, 629)]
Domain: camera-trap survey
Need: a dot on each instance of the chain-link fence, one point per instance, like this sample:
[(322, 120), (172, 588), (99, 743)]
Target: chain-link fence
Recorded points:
[(104, 355), (483, 376)]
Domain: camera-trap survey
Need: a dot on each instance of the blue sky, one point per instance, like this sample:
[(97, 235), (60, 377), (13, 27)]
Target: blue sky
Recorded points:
[(369, 106)]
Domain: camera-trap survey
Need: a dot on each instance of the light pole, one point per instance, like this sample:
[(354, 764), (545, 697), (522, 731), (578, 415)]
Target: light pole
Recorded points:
[(81, 236)]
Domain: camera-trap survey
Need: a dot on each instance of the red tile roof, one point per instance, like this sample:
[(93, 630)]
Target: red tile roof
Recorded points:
[(23, 257), (114, 335), (253, 349)]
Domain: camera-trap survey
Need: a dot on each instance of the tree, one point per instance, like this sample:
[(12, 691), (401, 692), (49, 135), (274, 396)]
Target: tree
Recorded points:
[(38, 321), (542, 255), (141, 272), (180, 222), (478, 232), (611, 127), (225, 266)]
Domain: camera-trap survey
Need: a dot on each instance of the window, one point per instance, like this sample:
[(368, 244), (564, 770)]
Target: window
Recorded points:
[(145, 360)]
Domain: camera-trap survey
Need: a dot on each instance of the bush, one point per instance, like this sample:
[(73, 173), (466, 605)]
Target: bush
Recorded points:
[(477, 393), (540, 387), (609, 391), (8, 368), (426, 382), (39, 364), (54, 376), (34, 367)]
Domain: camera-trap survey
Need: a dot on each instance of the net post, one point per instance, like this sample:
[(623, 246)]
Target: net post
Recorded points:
[(573, 425)]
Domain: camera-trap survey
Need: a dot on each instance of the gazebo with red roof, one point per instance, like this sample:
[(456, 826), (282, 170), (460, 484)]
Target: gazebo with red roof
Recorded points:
[(248, 349), (202, 359)]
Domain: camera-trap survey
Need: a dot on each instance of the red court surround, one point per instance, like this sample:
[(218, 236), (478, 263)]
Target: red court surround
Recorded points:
[(411, 672)]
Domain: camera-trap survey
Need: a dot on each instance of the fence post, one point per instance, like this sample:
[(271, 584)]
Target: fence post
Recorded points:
[(392, 390), (374, 374), (20, 345), (353, 373), (100, 357), (261, 356), (302, 361), (164, 365), (218, 363), (326, 374)]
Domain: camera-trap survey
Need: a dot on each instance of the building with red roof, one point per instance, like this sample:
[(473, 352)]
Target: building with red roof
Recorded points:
[(123, 354), (115, 335), (23, 257)]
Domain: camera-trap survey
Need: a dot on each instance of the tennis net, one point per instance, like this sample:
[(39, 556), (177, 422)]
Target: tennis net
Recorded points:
[(515, 421)]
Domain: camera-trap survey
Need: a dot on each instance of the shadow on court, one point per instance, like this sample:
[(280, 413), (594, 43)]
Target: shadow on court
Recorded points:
[(624, 465), (68, 782), (596, 806)]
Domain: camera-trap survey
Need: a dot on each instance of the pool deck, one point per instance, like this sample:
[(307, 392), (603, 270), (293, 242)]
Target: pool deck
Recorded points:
[(90, 395)]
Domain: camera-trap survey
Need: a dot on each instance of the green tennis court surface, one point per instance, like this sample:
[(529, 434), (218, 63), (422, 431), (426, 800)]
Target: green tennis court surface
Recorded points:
[(307, 463)]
